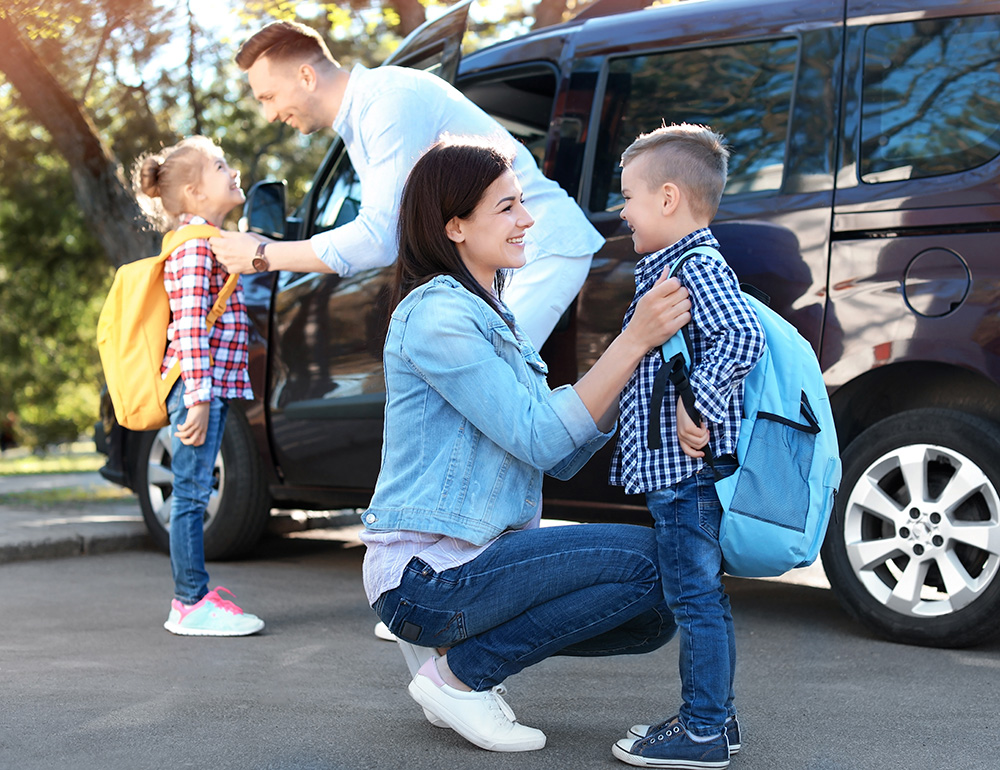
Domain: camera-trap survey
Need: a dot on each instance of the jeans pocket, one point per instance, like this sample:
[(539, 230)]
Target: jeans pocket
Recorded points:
[(709, 507), (426, 626)]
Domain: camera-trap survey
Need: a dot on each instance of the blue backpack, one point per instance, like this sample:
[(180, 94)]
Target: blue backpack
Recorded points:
[(776, 506)]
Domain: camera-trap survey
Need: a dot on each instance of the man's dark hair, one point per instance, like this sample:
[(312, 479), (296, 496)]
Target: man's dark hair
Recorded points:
[(283, 41)]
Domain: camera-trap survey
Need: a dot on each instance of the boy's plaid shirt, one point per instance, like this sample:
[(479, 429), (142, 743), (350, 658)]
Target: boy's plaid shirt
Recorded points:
[(213, 362), (728, 340)]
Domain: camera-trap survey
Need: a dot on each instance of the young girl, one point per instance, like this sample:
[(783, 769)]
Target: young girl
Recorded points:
[(190, 184), (456, 564)]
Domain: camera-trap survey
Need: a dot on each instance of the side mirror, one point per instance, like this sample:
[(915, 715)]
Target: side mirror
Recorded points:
[(264, 210)]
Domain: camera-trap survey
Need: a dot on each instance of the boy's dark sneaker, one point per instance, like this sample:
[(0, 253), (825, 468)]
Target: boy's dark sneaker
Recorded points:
[(672, 747), (732, 732)]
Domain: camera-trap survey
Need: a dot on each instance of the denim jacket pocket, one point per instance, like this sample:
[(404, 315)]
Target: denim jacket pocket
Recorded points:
[(517, 351)]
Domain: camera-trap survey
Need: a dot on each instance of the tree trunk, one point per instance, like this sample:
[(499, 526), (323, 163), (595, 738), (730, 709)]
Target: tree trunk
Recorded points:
[(99, 185), (411, 15), (548, 12)]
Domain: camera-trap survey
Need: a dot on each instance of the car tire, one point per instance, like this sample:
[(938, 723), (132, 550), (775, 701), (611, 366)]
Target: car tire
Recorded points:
[(240, 505), (913, 546)]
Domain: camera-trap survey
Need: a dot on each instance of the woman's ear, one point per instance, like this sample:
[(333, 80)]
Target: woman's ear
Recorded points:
[(453, 229)]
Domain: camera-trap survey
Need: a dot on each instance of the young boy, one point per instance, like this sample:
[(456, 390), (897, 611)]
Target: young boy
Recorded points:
[(672, 181)]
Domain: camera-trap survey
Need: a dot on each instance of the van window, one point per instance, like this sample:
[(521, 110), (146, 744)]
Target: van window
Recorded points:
[(742, 91), (520, 99), (930, 101), (338, 199)]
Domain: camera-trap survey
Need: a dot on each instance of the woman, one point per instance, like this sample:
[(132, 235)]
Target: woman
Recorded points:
[(456, 565)]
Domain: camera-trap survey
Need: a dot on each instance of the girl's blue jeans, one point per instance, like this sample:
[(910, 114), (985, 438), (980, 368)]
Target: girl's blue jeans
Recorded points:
[(586, 589), (687, 516), (193, 468)]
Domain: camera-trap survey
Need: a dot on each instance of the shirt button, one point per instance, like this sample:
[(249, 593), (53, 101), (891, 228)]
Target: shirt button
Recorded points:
[(370, 518)]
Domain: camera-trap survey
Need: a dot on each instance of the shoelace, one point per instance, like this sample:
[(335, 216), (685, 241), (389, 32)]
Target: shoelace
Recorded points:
[(664, 734), (224, 604), (508, 712), (498, 708)]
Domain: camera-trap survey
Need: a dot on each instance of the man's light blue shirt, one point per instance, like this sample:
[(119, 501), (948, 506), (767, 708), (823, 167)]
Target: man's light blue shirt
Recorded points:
[(389, 116)]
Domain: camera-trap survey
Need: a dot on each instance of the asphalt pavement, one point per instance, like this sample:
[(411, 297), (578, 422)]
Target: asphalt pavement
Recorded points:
[(91, 679)]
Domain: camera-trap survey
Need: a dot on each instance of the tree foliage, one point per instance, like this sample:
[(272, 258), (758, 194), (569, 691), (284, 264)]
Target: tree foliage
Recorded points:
[(87, 86)]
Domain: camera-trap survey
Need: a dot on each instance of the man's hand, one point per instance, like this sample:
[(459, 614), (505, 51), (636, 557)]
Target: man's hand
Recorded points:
[(236, 250), (691, 436), (195, 427)]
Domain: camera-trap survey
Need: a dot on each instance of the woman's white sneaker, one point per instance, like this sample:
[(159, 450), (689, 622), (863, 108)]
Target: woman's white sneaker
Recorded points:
[(482, 718)]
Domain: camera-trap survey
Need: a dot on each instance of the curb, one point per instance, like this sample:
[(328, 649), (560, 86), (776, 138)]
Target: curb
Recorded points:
[(74, 545)]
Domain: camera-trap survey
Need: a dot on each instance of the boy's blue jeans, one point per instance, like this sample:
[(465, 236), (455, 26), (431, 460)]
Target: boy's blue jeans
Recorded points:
[(687, 516), (193, 468), (584, 589)]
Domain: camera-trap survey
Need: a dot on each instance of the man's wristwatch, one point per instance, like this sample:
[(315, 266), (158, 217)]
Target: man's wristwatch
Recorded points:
[(260, 263)]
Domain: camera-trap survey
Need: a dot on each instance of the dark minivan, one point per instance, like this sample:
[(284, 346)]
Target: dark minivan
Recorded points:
[(864, 198)]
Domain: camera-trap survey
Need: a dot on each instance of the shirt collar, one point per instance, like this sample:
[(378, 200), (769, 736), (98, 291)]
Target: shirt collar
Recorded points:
[(648, 269), (340, 123), (192, 219)]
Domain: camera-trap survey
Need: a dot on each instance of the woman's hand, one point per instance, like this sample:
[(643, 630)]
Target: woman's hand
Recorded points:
[(692, 437), (195, 427), (660, 313)]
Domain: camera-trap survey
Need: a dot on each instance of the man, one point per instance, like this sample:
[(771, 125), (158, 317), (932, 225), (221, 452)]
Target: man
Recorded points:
[(387, 118)]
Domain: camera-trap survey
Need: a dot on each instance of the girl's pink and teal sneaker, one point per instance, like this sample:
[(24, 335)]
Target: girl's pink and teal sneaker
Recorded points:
[(212, 616)]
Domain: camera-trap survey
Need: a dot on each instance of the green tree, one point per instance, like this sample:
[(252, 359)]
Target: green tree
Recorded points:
[(86, 86), (77, 111)]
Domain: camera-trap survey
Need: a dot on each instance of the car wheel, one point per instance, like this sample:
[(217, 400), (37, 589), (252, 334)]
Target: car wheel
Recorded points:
[(913, 546), (239, 507)]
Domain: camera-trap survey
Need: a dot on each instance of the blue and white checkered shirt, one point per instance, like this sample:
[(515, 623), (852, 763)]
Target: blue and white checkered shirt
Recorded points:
[(728, 340)]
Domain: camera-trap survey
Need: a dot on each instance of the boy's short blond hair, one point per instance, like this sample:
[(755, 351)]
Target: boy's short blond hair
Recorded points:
[(692, 157)]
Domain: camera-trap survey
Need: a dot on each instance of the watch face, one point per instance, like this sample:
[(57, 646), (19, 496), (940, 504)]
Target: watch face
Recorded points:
[(259, 264)]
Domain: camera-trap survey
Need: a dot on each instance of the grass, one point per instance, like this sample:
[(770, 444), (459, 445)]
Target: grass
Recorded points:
[(67, 495), (79, 457)]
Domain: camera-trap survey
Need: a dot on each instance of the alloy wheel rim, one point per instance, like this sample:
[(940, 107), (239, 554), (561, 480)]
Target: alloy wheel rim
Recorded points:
[(922, 531)]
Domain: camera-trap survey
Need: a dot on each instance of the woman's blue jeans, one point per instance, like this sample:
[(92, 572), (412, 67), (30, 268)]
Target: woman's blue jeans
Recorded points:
[(193, 468), (687, 516), (586, 589)]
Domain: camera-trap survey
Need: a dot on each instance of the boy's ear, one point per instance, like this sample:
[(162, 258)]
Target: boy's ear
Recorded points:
[(453, 229), (670, 196)]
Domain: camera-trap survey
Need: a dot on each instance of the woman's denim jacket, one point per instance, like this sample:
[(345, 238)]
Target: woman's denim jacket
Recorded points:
[(470, 422)]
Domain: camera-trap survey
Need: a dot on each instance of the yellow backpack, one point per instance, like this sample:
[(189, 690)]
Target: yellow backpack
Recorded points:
[(132, 334)]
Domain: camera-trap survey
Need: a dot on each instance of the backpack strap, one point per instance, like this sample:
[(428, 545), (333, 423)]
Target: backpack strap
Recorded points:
[(175, 238), (675, 369)]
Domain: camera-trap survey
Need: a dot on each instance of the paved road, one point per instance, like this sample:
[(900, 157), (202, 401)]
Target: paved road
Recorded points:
[(89, 679)]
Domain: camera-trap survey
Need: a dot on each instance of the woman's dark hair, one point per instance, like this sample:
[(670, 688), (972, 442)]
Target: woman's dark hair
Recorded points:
[(448, 181)]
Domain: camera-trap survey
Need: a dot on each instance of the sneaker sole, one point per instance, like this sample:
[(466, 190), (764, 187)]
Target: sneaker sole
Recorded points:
[(180, 630), (417, 693), (676, 764)]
